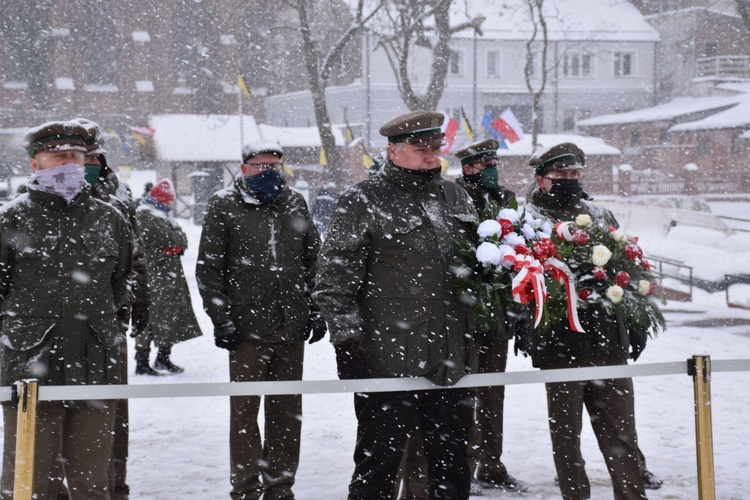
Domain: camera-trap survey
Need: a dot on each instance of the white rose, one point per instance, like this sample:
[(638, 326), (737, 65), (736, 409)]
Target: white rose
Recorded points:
[(489, 254), (583, 220), (508, 213), (618, 235), (614, 293), (644, 287), (513, 239), (489, 228), (528, 231), (600, 255)]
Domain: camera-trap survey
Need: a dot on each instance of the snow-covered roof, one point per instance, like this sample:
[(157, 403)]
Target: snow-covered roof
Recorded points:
[(737, 116), (571, 20), (589, 145), (217, 137), (680, 106)]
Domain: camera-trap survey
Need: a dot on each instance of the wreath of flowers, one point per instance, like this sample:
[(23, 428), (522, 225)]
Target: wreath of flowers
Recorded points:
[(504, 262), (609, 270)]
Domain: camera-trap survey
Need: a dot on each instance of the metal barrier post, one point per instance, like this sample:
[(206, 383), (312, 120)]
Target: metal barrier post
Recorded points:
[(700, 369)]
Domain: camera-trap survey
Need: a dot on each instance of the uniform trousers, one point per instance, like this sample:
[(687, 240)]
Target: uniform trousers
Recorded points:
[(84, 434), (385, 422), (486, 439), (265, 466), (118, 486), (610, 406)]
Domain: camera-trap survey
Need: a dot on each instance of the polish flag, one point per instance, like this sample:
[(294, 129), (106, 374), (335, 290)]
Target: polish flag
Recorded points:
[(449, 128), (508, 125)]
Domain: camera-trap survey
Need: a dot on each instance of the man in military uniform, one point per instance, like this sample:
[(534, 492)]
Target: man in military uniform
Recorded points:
[(558, 195), (479, 178), (386, 288), (256, 268), (65, 266)]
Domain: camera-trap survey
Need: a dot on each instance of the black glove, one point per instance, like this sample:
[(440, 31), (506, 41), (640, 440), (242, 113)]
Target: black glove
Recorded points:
[(350, 360), (316, 327), (521, 326), (139, 316), (638, 340), (226, 336)]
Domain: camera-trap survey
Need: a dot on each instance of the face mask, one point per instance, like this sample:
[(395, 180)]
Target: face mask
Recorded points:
[(265, 185), (92, 173), (565, 188), (423, 173), (488, 178), (66, 180)]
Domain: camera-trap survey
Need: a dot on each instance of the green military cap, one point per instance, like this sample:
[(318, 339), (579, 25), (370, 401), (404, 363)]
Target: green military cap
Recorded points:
[(417, 127), (95, 141), (564, 156), (476, 151), (55, 136)]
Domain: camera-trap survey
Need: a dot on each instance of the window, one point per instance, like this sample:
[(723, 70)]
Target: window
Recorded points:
[(99, 47), (531, 58), (577, 65), (703, 146), (712, 49), (455, 63), (623, 64), (493, 63), (636, 139)]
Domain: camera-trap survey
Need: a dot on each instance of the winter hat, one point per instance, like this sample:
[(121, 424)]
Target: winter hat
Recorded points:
[(56, 136), (163, 192), (565, 156), (256, 148)]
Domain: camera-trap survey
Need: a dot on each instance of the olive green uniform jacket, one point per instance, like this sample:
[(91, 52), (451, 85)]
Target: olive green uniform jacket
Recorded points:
[(257, 263), (385, 275), (605, 341), (172, 319), (64, 274)]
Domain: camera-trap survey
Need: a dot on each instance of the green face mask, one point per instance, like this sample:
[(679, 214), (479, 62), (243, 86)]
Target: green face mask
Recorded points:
[(92, 173), (488, 178)]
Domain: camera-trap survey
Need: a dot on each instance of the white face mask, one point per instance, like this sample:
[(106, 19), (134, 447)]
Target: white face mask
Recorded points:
[(66, 180)]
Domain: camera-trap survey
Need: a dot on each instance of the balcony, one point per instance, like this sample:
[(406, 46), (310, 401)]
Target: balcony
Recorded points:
[(723, 66)]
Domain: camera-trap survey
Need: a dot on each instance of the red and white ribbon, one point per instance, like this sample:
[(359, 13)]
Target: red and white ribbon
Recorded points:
[(529, 270), (569, 282)]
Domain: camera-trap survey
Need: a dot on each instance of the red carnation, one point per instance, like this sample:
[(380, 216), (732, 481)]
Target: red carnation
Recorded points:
[(599, 273), (584, 294), (633, 251), (507, 226), (646, 265), (522, 249), (580, 237), (622, 278)]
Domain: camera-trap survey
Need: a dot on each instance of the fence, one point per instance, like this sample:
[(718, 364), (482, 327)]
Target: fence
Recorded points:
[(699, 367)]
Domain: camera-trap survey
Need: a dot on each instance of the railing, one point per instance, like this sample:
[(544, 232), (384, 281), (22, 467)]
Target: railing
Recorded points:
[(672, 271), (736, 279), (737, 66)]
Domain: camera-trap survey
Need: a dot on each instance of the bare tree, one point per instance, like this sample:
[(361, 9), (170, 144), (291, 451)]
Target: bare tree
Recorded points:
[(319, 63), (539, 39), (406, 25), (743, 8)]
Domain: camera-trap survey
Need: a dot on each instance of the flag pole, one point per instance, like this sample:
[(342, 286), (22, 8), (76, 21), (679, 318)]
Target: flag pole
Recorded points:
[(239, 111)]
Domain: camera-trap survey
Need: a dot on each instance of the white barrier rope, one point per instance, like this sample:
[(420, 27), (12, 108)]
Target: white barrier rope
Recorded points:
[(84, 392)]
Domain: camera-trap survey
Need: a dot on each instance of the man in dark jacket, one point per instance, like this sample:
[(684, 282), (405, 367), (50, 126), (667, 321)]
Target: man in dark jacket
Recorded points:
[(65, 269), (558, 195), (479, 178), (386, 288), (256, 268)]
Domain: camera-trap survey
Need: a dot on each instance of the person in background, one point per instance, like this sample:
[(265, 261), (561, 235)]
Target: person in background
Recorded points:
[(323, 206), (256, 268), (59, 300), (387, 291), (558, 196), (172, 317)]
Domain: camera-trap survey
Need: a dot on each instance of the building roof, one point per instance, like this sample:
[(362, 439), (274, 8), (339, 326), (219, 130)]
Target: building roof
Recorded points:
[(568, 20), (589, 145), (190, 138), (735, 117)]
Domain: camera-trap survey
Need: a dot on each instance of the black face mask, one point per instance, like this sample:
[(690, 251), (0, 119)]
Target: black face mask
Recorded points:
[(424, 173), (565, 189)]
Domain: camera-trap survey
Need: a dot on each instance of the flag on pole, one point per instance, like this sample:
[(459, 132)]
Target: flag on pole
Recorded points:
[(467, 125), (348, 134), (367, 160), (494, 133), (242, 85), (322, 159), (508, 125), (449, 128)]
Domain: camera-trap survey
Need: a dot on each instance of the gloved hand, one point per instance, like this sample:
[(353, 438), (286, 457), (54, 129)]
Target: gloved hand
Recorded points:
[(638, 340), (139, 316), (350, 360), (520, 325), (226, 336), (316, 327)]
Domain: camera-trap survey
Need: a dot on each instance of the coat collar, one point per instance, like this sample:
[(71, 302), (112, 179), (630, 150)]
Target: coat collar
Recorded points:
[(410, 182)]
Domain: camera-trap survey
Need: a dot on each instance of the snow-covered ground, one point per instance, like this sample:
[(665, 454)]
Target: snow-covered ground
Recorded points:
[(179, 446)]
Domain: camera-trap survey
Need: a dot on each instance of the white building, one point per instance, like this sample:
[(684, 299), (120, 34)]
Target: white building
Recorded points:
[(601, 59)]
